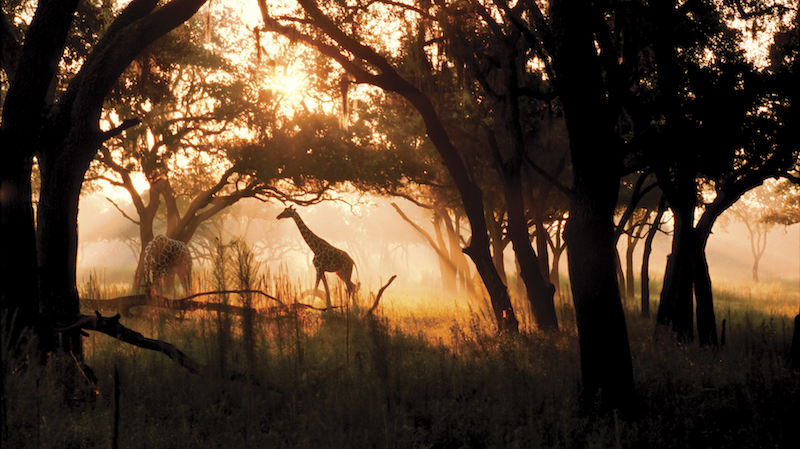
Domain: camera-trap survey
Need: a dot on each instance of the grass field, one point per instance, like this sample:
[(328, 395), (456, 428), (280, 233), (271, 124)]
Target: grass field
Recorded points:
[(426, 372)]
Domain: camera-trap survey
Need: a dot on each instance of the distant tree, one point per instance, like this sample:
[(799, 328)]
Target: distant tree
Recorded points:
[(758, 210)]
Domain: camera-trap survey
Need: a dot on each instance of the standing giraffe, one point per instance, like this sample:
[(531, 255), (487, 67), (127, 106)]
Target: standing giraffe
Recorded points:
[(326, 257), (164, 258)]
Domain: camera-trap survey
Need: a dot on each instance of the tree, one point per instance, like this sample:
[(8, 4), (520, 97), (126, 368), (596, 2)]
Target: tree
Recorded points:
[(61, 128), (725, 128), (370, 67), (756, 210), (217, 133), (587, 91)]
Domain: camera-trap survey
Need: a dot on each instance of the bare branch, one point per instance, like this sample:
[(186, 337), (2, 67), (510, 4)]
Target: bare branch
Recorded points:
[(378, 298), (136, 222), (111, 326), (439, 251)]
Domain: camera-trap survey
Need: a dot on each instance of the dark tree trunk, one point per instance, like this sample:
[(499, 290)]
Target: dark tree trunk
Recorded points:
[(620, 273), (606, 367), (605, 354), (796, 344), (648, 248), (18, 292), (57, 238), (675, 308), (32, 77), (706, 321), (541, 240), (496, 241), (540, 292), (472, 198), (633, 240), (629, 281), (557, 249), (498, 292)]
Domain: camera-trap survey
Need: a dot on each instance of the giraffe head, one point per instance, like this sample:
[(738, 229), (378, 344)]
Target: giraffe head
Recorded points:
[(289, 212)]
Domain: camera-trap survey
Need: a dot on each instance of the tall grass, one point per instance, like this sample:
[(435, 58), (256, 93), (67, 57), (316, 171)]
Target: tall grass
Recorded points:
[(421, 376)]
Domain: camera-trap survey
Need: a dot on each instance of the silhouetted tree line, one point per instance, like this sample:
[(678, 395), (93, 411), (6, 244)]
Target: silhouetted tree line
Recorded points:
[(589, 111)]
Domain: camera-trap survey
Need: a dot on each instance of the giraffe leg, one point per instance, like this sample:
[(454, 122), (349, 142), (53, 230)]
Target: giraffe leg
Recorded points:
[(169, 284), (328, 305), (185, 276), (345, 273)]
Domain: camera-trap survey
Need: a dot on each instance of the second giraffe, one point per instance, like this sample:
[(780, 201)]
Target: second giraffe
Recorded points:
[(326, 257)]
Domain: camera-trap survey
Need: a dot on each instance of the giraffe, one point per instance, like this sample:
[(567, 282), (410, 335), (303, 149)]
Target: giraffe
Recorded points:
[(326, 257), (163, 259)]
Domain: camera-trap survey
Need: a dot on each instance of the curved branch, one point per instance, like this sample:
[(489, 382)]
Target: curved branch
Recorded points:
[(111, 326), (378, 297)]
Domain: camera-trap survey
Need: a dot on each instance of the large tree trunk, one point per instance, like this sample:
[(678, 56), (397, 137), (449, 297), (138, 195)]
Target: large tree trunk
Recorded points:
[(18, 293), (706, 320), (675, 308), (57, 238), (31, 70), (606, 367), (605, 353)]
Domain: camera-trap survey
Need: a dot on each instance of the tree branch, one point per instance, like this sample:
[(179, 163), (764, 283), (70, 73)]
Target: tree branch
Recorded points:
[(378, 297), (111, 326)]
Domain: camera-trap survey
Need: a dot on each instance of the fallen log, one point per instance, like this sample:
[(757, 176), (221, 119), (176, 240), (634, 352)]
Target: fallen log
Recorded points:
[(124, 304)]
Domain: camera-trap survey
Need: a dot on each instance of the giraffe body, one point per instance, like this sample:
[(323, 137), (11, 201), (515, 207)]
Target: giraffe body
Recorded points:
[(327, 258), (165, 258)]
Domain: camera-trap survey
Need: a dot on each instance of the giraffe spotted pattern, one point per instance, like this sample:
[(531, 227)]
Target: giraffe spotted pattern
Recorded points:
[(165, 258), (326, 257)]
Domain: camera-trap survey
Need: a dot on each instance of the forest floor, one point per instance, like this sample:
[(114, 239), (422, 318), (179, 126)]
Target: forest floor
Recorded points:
[(412, 377)]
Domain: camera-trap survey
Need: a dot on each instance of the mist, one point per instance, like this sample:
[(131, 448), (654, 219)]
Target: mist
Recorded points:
[(382, 244)]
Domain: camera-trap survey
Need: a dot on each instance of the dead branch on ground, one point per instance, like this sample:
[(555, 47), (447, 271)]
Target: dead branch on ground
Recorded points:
[(124, 304), (111, 326)]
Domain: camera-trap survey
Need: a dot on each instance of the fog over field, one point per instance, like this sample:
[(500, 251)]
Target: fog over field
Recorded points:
[(383, 244)]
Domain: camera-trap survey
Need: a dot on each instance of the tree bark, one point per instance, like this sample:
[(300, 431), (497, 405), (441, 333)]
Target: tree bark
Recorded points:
[(606, 367), (57, 237), (29, 94)]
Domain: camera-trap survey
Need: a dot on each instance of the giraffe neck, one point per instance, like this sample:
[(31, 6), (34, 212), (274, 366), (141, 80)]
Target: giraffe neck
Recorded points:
[(314, 242)]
